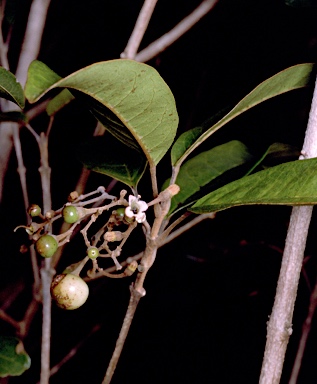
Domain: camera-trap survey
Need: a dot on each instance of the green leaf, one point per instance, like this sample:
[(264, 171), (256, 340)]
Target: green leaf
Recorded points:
[(278, 153), (126, 94), (13, 358), (207, 166), (40, 79), (10, 89), (15, 116), (289, 79), (184, 141), (106, 155), (293, 183), (58, 102)]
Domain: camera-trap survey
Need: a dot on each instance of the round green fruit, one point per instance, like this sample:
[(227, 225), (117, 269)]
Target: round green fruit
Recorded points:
[(70, 214), (92, 252), (46, 245), (120, 213), (34, 210), (69, 291)]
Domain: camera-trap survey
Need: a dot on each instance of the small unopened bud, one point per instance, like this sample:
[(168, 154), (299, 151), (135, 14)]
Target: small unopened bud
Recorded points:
[(73, 196), (50, 214), (113, 236), (172, 190), (131, 268)]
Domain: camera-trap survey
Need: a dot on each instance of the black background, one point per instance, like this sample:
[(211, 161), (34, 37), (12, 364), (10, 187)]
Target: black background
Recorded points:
[(211, 291)]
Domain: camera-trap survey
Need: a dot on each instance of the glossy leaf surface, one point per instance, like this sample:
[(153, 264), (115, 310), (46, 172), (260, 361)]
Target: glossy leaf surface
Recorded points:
[(293, 183), (289, 79)]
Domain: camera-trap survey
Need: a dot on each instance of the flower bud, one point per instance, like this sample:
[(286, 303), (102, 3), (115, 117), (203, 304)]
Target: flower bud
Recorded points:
[(111, 236)]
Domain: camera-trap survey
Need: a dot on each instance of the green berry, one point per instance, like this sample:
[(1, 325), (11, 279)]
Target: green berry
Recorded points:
[(70, 214), (92, 252), (34, 210), (69, 291), (120, 213), (46, 245)]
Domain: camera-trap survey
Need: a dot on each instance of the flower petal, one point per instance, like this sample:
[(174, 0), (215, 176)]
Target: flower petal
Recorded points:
[(128, 212), (140, 217), (142, 205)]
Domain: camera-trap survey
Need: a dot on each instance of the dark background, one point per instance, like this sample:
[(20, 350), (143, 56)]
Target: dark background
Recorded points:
[(211, 291)]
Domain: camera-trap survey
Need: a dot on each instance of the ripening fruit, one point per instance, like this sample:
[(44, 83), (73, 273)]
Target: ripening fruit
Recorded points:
[(120, 212), (92, 252), (69, 291), (70, 214), (34, 210), (46, 245)]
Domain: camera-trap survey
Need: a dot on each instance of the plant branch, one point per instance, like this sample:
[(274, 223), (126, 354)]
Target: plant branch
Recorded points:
[(133, 303), (29, 52), (5, 317), (47, 270), (139, 29), (305, 332), (32, 38), (73, 351), (180, 29), (3, 46), (186, 227), (280, 325), (21, 167)]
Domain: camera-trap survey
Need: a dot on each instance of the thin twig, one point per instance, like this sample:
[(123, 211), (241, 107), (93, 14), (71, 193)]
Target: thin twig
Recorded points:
[(279, 327), (180, 29), (29, 52), (73, 351), (32, 38), (47, 270), (37, 110), (21, 168), (3, 46), (133, 303), (5, 317), (46, 274), (139, 29), (187, 226), (305, 332)]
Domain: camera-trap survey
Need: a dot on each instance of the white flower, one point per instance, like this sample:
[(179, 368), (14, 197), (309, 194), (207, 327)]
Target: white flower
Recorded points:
[(136, 209)]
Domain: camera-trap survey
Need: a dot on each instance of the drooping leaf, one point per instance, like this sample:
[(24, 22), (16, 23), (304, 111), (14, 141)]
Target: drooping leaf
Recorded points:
[(10, 89), (207, 166), (106, 155), (13, 358), (133, 92), (58, 102), (293, 183), (289, 79)]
